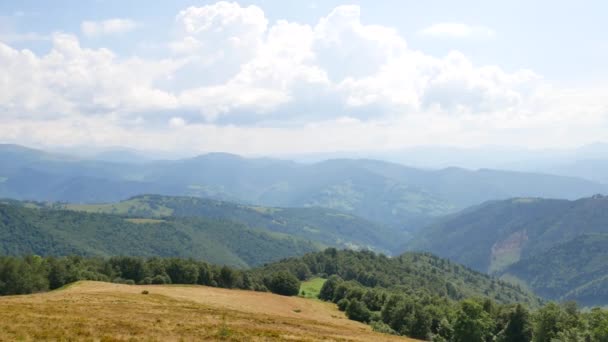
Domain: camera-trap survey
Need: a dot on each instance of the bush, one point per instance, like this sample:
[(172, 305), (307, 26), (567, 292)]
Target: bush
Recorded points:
[(343, 304), (284, 283), (329, 287), (160, 279), (357, 311), (383, 328)]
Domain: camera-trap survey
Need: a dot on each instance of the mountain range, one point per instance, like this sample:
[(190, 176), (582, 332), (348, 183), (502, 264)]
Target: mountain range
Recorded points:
[(399, 197)]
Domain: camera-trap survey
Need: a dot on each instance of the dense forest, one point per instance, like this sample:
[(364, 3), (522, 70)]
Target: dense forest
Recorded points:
[(574, 270), (412, 273), (326, 226), (405, 307), (60, 232)]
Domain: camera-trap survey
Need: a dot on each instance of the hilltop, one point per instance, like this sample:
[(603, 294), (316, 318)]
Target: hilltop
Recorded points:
[(171, 313)]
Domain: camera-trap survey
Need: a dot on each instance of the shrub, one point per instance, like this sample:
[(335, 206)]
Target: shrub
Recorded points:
[(342, 304), (383, 328), (329, 287), (357, 311), (284, 283), (160, 279)]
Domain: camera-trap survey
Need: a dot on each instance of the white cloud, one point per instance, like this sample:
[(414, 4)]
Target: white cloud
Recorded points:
[(457, 30), (233, 82), (71, 80), (177, 122), (106, 27)]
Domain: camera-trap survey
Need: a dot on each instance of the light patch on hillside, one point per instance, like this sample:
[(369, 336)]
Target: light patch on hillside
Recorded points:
[(508, 251)]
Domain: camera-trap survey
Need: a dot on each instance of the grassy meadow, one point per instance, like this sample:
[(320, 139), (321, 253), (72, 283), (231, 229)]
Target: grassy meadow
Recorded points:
[(95, 311)]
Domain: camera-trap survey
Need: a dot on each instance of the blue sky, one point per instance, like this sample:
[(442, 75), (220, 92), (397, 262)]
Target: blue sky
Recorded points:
[(266, 77)]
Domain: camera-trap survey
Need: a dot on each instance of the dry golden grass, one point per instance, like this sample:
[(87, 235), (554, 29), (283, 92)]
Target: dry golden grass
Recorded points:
[(94, 311)]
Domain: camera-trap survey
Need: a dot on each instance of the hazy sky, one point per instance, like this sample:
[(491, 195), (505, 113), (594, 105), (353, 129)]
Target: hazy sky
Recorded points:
[(265, 77)]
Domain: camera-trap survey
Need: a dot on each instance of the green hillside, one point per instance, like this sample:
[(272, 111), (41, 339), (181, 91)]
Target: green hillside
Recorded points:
[(555, 247), (410, 273), (326, 226), (60, 232), (575, 270), (496, 234)]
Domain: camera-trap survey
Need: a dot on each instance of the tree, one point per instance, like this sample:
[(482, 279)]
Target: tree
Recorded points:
[(302, 271), (547, 325), (472, 324), (420, 326), (519, 328), (329, 287), (357, 311), (598, 325), (182, 271), (227, 277), (58, 273), (284, 283), (129, 268)]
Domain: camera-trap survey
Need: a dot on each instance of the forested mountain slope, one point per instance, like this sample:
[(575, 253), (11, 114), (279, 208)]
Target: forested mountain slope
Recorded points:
[(574, 270), (555, 247), (326, 226), (416, 274), (61, 232)]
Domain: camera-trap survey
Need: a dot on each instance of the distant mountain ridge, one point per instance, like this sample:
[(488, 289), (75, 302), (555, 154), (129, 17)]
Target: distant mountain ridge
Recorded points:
[(400, 197)]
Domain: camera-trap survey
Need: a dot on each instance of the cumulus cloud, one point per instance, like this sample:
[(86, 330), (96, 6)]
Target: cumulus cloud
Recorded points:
[(106, 27), (71, 80), (177, 122), (457, 30), (232, 81)]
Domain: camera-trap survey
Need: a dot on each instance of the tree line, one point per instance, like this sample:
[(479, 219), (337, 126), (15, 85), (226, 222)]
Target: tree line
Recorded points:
[(31, 274), (436, 318)]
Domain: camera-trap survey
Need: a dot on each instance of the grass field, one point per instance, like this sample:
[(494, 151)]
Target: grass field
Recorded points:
[(121, 208), (94, 311), (311, 288)]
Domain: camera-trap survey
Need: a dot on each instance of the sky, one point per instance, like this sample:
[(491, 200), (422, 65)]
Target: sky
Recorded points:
[(272, 77)]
